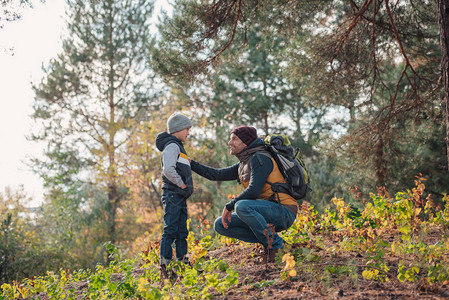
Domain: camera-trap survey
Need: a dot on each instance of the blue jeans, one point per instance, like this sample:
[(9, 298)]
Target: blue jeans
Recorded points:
[(175, 227), (250, 219)]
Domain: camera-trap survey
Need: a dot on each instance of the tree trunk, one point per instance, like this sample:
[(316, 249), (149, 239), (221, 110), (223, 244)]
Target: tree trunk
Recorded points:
[(113, 200), (443, 22), (296, 116), (159, 196), (265, 122), (379, 160)]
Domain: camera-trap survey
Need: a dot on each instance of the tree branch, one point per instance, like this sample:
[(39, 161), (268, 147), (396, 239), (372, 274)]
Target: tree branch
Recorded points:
[(351, 26), (234, 28)]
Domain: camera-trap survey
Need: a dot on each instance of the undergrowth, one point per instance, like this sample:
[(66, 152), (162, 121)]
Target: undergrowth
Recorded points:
[(404, 238)]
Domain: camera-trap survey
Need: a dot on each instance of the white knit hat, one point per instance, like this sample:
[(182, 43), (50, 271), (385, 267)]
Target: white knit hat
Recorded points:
[(177, 122)]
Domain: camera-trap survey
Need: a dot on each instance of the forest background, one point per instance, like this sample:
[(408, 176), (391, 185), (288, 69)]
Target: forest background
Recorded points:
[(357, 86)]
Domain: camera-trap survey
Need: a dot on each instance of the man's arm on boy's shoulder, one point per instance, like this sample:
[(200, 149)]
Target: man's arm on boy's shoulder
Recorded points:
[(169, 159), (223, 174)]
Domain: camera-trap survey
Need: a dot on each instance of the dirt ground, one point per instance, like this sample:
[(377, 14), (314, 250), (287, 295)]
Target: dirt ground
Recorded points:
[(259, 280), (313, 285)]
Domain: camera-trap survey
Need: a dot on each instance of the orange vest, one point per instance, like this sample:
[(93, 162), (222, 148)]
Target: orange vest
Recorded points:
[(274, 177)]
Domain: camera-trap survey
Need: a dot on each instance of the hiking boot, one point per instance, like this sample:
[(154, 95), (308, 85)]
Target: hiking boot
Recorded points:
[(164, 273), (269, 255), (172, 276), (169, 274), (186, 261)]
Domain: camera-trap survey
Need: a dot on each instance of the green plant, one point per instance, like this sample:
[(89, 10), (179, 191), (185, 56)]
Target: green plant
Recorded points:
[(409, 274)]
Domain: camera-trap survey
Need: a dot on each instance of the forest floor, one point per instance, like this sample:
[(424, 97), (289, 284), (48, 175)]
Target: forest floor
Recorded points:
[(259, 280), (310, 282), (326, 266), (393, 249)]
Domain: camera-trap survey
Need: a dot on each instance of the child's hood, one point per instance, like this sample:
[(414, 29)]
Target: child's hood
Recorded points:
[(163, 138)]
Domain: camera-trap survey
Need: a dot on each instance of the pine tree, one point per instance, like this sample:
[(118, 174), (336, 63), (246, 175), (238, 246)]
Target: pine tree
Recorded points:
[(376, 60), (85, 102), (443, 15)]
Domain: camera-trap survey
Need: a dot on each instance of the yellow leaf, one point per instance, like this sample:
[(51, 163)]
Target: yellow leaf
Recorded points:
[(367, 274), (371, 233), (292, 273)]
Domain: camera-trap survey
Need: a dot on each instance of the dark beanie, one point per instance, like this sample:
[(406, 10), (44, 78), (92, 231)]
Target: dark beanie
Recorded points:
[(246, 133)]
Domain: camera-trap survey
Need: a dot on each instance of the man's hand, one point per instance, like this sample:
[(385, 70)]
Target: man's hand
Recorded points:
[(183, 186), (226, 215)]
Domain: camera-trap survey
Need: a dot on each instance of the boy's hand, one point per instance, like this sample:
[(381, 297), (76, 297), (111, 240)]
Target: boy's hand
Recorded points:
[(183, 186), (226, 215)]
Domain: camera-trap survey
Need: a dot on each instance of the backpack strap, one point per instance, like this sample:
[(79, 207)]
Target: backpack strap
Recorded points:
[(273, 198), (275, 187), (263, 152)]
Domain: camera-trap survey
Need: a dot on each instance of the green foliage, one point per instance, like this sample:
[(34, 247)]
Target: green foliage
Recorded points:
[(402, 219), (124, 279), (250, 86), (407, 273), (360, 96), (304, 258), (296, 67), (102, 283), (22, 253)]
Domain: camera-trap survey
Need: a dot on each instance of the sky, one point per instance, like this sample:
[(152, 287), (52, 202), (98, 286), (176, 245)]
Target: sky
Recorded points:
[(24, 46)]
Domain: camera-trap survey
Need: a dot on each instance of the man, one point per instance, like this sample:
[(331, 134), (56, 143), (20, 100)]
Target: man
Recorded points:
[(246, 217)]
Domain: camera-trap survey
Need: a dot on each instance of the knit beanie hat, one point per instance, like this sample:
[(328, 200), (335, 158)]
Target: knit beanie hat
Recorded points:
[(177, 122), (246, 133)]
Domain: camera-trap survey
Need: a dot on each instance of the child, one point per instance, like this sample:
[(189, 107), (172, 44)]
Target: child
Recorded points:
[(177, 187)]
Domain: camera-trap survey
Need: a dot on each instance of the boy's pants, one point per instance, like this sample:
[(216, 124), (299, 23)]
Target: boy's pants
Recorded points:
[(175, 227), (250, 219)]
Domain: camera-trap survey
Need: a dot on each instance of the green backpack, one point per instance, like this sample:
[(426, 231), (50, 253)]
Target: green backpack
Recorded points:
[(291, 165)]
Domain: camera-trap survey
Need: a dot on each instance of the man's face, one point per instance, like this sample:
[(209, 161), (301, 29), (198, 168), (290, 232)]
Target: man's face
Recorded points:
[(236, 145)]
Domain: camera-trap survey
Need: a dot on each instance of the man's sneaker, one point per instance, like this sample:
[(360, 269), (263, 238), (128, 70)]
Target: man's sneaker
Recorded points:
[(269, 255)]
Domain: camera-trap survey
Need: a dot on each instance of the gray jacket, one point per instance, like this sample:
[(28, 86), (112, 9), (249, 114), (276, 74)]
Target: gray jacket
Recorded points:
[(175, 164)]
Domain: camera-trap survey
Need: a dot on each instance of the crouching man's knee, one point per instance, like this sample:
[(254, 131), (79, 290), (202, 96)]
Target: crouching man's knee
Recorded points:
[(218, 226), (243, 208)]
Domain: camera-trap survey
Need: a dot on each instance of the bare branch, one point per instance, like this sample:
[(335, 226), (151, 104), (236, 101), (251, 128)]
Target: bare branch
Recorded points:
[(398, 39), (216, 56), (351, 26)]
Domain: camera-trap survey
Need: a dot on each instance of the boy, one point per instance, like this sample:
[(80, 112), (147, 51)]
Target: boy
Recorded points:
[(177, 187)]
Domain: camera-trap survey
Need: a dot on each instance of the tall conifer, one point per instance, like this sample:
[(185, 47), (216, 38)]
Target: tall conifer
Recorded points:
[(89, 94)]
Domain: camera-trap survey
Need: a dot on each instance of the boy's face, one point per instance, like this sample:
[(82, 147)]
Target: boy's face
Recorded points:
[(183, 134), (235, 145)]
